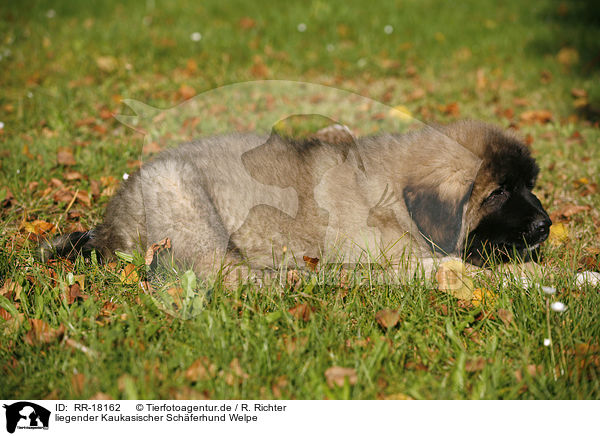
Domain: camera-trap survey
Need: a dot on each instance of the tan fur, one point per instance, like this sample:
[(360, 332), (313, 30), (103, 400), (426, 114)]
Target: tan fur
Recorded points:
[(263, 200)]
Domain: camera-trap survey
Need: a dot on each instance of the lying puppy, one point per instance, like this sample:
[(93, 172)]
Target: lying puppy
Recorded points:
[(459, 190)]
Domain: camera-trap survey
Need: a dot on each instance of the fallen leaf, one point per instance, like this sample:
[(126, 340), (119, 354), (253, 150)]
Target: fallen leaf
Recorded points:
[(87, 121), (475, 365), (293, 278), (64, 156), (101, 396), (38, 227), (482, 296), (74, 293), (246, 23), (451, 109), (41, 333), (540, 116), (156, 248), (201, 369), (11, 290), (398, 396), (78, 383), (72, 175), (452, 278), (259, 70), (567, 211), (567, 56), (506, 316), (401, 112), (129, 275), (186, 92), (416, 94), (236, 374), (558, 233), (579, 93), (586, 263), (63, 196), (311, 262), (337, 376), (387, 318), (108, 64), (302, 311), (519, 101), (481, 80)]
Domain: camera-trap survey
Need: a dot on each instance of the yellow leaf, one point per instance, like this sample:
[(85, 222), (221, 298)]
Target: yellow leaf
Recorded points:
[(558, 233), (452, 278), (129, 275), (567, 56), (483, 296), (401, 112)]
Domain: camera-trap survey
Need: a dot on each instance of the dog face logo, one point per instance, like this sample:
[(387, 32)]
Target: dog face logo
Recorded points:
[(26, 415)]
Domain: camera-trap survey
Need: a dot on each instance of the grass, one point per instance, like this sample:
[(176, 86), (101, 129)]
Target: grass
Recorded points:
[(65, 72)]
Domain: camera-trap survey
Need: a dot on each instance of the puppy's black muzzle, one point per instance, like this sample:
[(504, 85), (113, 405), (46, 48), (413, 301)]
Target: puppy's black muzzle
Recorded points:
[(539, 229)]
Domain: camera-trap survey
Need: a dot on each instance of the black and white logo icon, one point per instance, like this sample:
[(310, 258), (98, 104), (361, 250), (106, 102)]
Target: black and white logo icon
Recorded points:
[(26, 415)]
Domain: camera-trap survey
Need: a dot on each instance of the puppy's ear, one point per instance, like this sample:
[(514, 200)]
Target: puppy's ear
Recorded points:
[(438, 220)]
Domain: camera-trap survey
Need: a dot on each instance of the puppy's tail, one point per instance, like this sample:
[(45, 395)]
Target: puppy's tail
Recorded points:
[(68, 246)]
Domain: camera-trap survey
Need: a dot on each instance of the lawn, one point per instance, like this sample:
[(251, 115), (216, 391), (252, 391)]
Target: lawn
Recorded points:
[(87, 330)]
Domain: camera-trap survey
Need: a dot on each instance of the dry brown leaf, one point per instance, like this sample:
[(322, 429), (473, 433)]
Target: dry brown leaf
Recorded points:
[(259, 70), (64, 156), (11, 290), (451, 109), (101, 396), (5, 314), (187, 393), (201, 369), (129, 275), (293, 279), (475, 365), (416, 94), (567, 56), (311, 262), (74, 293), (236, 374), (481, 80), (579, 93), (387, 318), (72, 175), (155, 249), (398, 396), (78, 383), (83, 197), (518, 101), (506, 316), (108, 64), (280, 383), (63, 196), (246, 23), (186, 92), (540, 116), (337, 376), (38, 227), (302, 311), (567, 211), (41, 333)]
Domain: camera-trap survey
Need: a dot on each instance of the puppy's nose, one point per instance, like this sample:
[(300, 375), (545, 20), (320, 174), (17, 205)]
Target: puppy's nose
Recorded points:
[(540, 229)]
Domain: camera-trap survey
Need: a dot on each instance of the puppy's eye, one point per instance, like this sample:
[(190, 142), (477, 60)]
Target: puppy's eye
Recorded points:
[(498, 194)]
